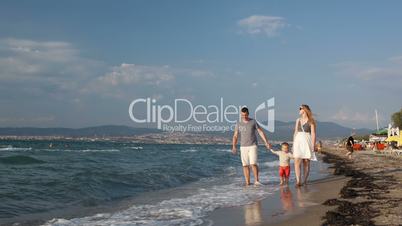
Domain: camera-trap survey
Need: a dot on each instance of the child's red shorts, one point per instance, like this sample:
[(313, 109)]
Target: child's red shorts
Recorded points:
[(284, 171)]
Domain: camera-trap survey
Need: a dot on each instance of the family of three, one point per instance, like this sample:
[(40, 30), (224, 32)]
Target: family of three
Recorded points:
[(304, 140)]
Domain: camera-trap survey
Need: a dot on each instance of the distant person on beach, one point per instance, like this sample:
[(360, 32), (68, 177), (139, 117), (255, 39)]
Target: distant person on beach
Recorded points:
[(319, 146), (247, 127), (284, 163), (349, 146), (304, 139)]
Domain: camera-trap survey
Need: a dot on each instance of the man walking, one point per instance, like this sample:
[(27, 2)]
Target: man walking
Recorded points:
[(247, 127)]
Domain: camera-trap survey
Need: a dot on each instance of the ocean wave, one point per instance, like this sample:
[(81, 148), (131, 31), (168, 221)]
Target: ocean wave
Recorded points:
[(80, 150), (230, 171), (11, 148), (224, 150), (94, 150), (136, 147), (189, 150), (20, 160), (177, 211)]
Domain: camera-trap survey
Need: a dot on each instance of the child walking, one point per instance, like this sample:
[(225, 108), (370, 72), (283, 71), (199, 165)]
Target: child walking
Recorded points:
[(284, 162)]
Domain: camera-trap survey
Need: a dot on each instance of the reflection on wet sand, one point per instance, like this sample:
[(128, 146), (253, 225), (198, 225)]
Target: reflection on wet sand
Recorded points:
[(252, 214), (303, 196), (291, 200), (286, 199)]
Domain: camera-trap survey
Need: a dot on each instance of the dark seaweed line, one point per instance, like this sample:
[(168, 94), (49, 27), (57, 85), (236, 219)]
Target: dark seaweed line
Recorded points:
[(360, 185)]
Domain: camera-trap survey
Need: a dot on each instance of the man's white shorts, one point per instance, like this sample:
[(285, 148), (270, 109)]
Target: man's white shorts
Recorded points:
[(249, 155)]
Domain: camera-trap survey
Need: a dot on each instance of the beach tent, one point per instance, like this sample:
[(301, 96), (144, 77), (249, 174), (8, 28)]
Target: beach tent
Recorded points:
[(381, 132), (395, 138), (376, 138)]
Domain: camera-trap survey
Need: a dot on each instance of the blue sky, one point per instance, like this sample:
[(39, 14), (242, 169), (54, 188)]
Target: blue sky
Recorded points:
[(81, 63)]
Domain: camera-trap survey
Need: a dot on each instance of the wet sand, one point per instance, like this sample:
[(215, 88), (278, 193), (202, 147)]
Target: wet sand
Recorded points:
[(288, 206), (366, 190)]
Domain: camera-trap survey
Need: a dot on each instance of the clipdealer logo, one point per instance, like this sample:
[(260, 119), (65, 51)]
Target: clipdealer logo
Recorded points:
[(166, 117)]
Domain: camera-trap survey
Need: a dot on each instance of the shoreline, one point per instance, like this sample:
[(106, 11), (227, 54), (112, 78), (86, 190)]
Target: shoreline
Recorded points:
[(366, 190), (286, 206)]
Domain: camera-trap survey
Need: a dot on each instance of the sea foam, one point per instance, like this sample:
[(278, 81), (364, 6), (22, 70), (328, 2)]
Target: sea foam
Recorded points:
[(189, 210), (11, 148)]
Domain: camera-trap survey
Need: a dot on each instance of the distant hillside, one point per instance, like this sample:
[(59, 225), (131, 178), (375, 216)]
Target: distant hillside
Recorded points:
[(325, 130), (283, 131), (99, 131)]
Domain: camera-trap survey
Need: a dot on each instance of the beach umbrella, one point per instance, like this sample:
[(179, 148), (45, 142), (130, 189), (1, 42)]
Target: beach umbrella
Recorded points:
[(381, 132), (393, 138), (396, 139)]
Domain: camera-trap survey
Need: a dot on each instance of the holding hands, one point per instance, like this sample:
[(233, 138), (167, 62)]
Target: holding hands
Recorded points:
[(268, 146)]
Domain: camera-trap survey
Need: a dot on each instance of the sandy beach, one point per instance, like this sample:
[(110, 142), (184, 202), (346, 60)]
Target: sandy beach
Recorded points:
[(363, 191), (373, 193)]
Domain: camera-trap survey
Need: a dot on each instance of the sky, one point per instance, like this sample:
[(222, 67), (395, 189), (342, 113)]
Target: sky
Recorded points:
[(81, 63)]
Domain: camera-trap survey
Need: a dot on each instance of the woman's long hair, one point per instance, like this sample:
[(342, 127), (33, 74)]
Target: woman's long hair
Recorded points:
[(309, 114)]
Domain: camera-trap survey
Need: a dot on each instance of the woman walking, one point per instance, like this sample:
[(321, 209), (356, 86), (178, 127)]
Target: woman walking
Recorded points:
[(304, 143)]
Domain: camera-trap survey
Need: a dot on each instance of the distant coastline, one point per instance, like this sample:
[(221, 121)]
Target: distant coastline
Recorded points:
[(283, 131), (159, 138)]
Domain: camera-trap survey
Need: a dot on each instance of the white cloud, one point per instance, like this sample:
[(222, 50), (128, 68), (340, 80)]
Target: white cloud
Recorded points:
[(55, 78), (259, 24), (47, 68), (129, 74), (128, 80), (53, 69), (385, 73), (28, 59), (47, 50), (396, 59), (349, 117), (345, 115)]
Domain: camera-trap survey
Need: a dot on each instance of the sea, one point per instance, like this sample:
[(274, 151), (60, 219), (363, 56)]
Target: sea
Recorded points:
[(126, 183)]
